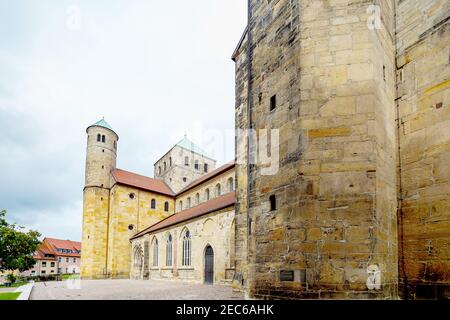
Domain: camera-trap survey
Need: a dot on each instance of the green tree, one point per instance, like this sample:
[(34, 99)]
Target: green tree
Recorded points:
[(16, 246)]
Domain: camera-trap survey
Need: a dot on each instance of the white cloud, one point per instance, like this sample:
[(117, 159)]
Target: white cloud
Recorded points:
[(153, 69)]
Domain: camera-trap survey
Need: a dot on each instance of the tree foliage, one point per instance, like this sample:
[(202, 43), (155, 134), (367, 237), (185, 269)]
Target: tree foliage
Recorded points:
[(16, 246)]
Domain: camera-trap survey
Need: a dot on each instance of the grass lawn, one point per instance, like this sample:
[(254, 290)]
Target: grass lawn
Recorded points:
[(14, 285), (9, 295), (70, 276)]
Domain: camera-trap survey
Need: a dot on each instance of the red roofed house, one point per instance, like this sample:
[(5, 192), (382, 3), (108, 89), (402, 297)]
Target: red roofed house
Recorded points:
[(55, 256)]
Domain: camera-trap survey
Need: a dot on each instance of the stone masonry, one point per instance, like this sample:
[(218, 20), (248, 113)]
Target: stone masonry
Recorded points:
[(325, 74)]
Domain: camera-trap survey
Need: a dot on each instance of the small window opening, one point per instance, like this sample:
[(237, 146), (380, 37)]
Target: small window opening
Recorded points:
[(131, 195), (103, 138), (273, 202), (273, 102)]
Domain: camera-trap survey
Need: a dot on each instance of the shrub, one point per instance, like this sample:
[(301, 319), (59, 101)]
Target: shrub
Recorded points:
[(11, 278)]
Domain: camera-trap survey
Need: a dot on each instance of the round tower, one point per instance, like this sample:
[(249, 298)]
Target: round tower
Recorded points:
[(100, 161), (101, 154)]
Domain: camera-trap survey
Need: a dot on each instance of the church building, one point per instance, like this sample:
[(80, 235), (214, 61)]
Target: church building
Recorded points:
[(178, 225)]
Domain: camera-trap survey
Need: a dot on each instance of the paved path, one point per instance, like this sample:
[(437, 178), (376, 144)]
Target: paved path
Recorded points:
[(129, 290)]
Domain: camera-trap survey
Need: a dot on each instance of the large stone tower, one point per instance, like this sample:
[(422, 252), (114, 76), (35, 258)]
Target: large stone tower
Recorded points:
[(101, 156), (322, 73)]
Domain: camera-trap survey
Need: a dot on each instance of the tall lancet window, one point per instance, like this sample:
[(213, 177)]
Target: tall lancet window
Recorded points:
[(169, 251), (155, 252), (187, 248)]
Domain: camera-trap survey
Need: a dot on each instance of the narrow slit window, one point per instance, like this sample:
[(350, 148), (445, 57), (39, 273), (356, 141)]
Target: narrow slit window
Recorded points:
[(273, 202), (273, 102)]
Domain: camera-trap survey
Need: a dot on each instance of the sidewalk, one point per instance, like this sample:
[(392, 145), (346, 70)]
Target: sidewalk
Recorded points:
[(25, 291)]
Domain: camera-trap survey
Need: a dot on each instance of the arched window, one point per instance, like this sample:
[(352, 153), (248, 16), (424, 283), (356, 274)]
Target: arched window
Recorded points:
[(165, 166), (166, 206), (207, 194), (138, 257), (189, 202), (155, 252), (230, 185), (153, 204), (99, 137), (186, 161), (187, 248), (218, 190), (159, 170), (205, 167), (169, 251), (197, 198), (103, 138), (170, 161), (180, 205)]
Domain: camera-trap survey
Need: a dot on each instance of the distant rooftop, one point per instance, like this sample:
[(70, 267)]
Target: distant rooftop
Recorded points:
[(188, 144)]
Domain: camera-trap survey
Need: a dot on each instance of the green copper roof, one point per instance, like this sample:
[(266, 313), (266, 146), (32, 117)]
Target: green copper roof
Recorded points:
[(188, 144), (102, 123)]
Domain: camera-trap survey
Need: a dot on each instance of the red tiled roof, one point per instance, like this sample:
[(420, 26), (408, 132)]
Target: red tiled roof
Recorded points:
[(40, 255), (55, 244), (208, 176), (212, 205), (141, 182)]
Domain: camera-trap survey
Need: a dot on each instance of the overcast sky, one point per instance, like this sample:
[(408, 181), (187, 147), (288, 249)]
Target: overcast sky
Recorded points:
[(154, 69)]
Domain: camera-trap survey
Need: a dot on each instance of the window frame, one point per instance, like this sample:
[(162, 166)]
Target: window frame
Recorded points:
[(187, 249), (169, 251), (155, 252)]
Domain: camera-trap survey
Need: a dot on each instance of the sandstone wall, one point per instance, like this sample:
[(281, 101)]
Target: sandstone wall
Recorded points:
[(424, 133), (222, 179), (215, 229), (333, 78), (94, 238), (128, 216)]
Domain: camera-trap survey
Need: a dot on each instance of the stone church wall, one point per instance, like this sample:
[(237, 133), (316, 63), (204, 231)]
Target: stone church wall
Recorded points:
[(423, 73), (215, 229)]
